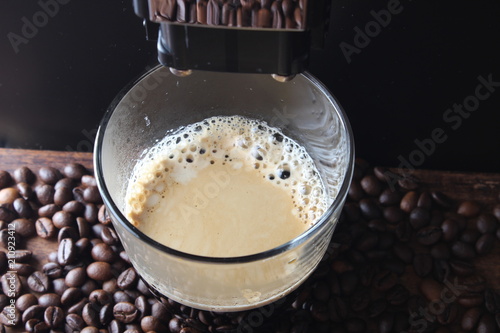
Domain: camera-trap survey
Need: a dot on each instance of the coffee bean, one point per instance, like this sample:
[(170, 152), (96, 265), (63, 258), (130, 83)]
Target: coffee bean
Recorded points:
[(142, 305), (371, 185), (83, 227), (66, 253), (431, 289), (74, 322), (449, 314), (90, 314), (62, 196), (77, 308), (99, 271), (419, 218), (441, 199), (45, 228), (100, 297), (409, 201), (48, 210), (88, 180), (485, 244), (49, 175), (22, 208), (90, 329), (125, 312), (8, 195), (45, 194), (127, 279), (384, 280), (441, 270), (356, 191), (160, 311), (367, 241), (369, 208), (24, 174), (440, 251), (64, 182), (53, 316), (425, 201), (106, 314), (75, 277), (103, 215), (52, 270), (150, 323), (103, 252), (38, 282), (470, 300), (450, 230), (472, 283), (486, 223), (10, 316), (404, 231), (469, 236), (115, 326), (462, 268), (389, 197), (5, 179), (24, 227), (59, 286), (386, 322), (88, 286), (25, 190), (397, 295), (49, 299), (462, 250), (91, 194), (429, 235), (21, 269), (25, 301), (7, 213), (33, 312), (67, 232), (486, 324), (469, 208), (403, 252), (70, 296), (74, 171), (492, 301), (90, 213), (63, 219), (109, 236), (471, 318), (422, 264)]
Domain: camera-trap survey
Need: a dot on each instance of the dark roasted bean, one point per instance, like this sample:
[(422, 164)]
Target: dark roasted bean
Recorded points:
[(88, 180), (100, 297), (24, 227), (74, 207), (22, 208), (90, 213), (384, 280), (486, 223), (103, 252), (21, 269), (449, 314), (62, 196), (469, 208), (441, 270), (422, 264), (45, 228), (25, 301), (429, 235), (462, 268), (470, 318), (53, 316), (371, 185), (409, 201), (49, 175), (33, 312), (75, 277), (90, 314), (45, 194), (419, 218), (70, 296), (492, 301), (106, 314), (369, 208), (462, 250), (67, 232), (440, 251), (150, 323), (10, 316), (469, 236), (63, 219), (5, 179), (470, 300), (91, 194), (49, 299), (74, 322), (39, 282), (77, 308), (59, 286), (24, 175), (431, 289), (441, 199), (99, 271), (109, 236), (25, 190), (125, 312), (48, 210), (66, 253), (127, 279), (397, 295), (74, 171)]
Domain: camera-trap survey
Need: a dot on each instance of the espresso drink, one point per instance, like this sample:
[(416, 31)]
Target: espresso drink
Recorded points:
[(225, 187)]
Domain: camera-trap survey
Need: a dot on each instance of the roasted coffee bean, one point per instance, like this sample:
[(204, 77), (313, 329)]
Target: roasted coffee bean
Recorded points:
[(63, 219), (91, 194), (486, 223), (461, 268), (49, 175), (10, 316), (21, 255), (441, 270), (74, 207), (33, 312), (25, 190), (74, 322), (371, 185), (390, 197), (24, 227), (90, 314), (449, 314), (106, 314), (403, 252), (66, 253), (422, 264), (429, 235), (70, 296), (7, 198), (125, 312), (409, 201), (469, 208), (21, 269), (24, 175), (370, 209), (83, 246), (471, 318), (90, 329), (39, 282), (78, 194), (472, 283), (62, 196), (485, 244), (74, 171), (45, 194), (337, 309), (160, 311), (127, 279), (77, 308), (469, 236), (67, 232), (492, 301), (440, 251), (115, 326), (25, 301), (99, 271), (45, 228), (386, 322), (75, 277), (59, 286), (90, 213), (52, 270), (367, 241), (404, 231), (109, 236), (384, 280), (103, 252), (83, 227), (64, 182), (393, 214), (441, 199), (5, 179), (470, 300), (49, 299), (397, 295), (7, 213), (53, 316), (462, 250), (150, 323), (88, 286), (419, 218), (22, 208), (486, 324), (143, 288), (425, 200), (48, 210), (360, 300), (100, 297), (431, 289), (88, 180), (356, 191)]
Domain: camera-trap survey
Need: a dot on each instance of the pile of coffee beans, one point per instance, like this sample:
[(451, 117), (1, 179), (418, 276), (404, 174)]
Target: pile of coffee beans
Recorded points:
[(402, 259), (277, 14)]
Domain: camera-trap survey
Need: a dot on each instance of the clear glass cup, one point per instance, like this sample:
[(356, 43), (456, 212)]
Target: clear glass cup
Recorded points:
[(158, 102)]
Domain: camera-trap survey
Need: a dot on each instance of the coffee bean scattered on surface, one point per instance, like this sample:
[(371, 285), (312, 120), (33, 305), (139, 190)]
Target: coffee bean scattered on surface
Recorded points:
[(402, 259)]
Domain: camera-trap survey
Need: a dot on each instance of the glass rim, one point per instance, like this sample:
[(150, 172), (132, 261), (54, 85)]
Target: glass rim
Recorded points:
[(293, 243)]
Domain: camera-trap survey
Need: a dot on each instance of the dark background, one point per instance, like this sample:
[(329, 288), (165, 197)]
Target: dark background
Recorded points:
[(54, 91)]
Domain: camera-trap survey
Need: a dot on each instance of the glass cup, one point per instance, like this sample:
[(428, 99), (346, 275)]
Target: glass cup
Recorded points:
[(143, 113)]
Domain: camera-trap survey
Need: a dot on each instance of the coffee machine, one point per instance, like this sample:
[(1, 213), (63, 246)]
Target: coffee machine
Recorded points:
[(243, 36)]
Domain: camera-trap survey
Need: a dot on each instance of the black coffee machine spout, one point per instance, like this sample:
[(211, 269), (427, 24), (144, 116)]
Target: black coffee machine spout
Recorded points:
[(244, 36)]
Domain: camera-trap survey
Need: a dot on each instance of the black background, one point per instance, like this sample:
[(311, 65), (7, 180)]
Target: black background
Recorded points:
[(54, 91)]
